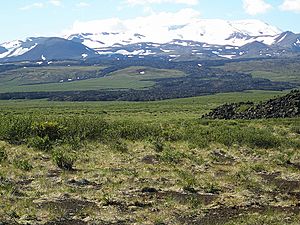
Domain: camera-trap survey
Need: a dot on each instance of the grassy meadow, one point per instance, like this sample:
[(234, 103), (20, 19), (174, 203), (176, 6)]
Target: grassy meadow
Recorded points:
[(275, 70), (80, 78), (146, 163)]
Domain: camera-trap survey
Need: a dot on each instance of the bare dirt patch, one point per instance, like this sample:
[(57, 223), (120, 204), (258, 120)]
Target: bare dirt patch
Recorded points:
[(68, 206), (223, 215)]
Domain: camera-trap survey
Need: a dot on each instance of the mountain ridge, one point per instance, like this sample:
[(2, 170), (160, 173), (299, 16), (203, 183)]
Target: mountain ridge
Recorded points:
[(210, 31), (196, 40)]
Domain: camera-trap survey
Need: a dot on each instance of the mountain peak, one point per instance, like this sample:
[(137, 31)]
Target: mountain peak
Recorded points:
[(289, 40)]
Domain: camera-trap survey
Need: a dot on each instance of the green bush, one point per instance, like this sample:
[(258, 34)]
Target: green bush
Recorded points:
[(296, 129), (158, 145), (212, 188), (130, 130), (230, 134), (198, 136), (42, 132), (3, 154), (258, 167), (23, 164), (49, 129), (172, 132), (188, 179), (243, 175), (84, 127), (40, 143), (74, 142), (15, 129), (261, 139), (64, 158), (171, 155), (6, 185), (119, 146)]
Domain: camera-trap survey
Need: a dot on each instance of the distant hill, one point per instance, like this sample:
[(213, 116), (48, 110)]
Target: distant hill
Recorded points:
[(45, 49)]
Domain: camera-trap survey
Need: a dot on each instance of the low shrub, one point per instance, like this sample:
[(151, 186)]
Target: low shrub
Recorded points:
[(198, 137), (3, 154), (75, 142), (23, 164), (131, 130), (171, 155), (188, 179), (40, 143), (42, 132), (258, 167), (15, 129), (296, 129), (64, 158), (84, 127), (6, 185), (50, 129), (119, 146), (261, 138), (158, 145), (212, 188)]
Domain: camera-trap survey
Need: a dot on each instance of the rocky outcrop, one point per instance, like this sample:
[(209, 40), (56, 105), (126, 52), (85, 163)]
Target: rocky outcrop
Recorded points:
[(282, 107)]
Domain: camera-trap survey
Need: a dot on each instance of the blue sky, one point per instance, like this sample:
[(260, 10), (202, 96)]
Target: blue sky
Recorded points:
[(27, 18)]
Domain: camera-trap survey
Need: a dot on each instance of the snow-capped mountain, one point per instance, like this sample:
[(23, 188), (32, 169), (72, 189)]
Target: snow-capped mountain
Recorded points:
[(288, 40), (45, 48), (215, 32), (195, 39)]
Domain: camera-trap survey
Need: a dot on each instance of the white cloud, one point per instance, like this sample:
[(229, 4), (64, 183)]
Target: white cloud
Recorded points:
[(144, 2), (290, 5), (55, 2), (254, 7), (148, 10), (95, 26), (33, 6), (82, 4), (39, 5)]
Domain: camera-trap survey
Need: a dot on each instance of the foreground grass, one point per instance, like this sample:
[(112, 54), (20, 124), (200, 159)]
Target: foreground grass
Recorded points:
[(146, 163), (167, 110)]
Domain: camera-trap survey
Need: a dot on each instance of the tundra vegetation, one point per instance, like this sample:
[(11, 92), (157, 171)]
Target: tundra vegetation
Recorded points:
[(144, 79), (147, 163)]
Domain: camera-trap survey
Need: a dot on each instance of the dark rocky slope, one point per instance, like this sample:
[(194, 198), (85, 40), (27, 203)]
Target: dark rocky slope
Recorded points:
[(282, 107)]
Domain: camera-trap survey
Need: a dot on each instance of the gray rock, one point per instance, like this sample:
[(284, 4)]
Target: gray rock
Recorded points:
[(287, 106)]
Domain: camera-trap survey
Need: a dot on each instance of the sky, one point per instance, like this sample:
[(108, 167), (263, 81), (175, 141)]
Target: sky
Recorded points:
[(30, 18)]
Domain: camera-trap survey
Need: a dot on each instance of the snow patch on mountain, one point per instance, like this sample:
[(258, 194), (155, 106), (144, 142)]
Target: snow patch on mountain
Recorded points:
[(135, 52), (17, 51), (12, 44), (227, 56)]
